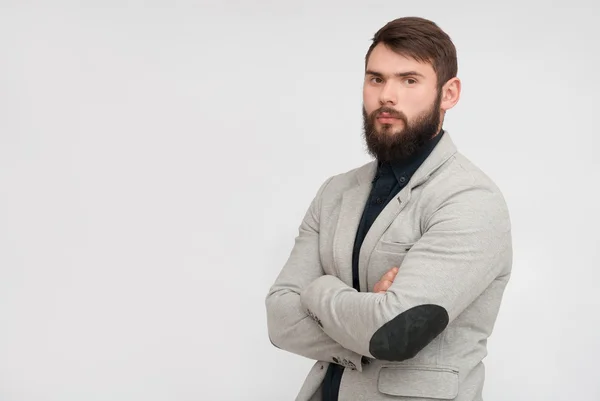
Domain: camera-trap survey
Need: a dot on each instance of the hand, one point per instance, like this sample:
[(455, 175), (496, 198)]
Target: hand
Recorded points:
[(386, 281)]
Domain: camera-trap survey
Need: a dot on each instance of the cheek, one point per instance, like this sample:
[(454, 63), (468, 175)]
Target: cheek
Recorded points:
[(417, 105), (370, 99)]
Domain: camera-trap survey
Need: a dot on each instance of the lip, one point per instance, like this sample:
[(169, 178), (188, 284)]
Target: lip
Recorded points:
[(386, 119)]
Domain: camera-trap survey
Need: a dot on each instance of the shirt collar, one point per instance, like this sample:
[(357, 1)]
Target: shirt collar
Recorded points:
[(404, 170)]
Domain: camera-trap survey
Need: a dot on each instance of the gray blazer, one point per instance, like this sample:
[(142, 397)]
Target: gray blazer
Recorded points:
[(449, 233)]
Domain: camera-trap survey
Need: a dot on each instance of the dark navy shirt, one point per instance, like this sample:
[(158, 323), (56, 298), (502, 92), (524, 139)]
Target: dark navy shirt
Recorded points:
[(387, 183)]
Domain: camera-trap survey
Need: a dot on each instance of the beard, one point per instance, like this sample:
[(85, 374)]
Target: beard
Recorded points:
[(398, 145)]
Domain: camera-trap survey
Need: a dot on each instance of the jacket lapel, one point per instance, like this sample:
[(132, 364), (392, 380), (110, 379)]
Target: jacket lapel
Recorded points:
[(353, 203), (443, 151), (380, 225)]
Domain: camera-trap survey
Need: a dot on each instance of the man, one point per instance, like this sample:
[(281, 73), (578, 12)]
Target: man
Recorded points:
[(400, 264)]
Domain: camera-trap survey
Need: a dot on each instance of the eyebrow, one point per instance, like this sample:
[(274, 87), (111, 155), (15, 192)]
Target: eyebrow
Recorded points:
[(397, 74)]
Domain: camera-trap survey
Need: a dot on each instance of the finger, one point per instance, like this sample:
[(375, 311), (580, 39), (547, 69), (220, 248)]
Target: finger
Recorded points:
[(380, 286), (389, 276), (385, 285)]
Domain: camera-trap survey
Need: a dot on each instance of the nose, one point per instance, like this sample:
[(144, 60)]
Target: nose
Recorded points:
[(387, 96)]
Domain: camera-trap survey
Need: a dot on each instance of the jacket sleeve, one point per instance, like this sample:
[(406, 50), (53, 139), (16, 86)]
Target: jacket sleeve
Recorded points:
[(290, 326), (466, 244)]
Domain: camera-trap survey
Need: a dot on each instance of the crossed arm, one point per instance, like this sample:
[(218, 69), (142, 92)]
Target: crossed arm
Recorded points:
[(466, 245)]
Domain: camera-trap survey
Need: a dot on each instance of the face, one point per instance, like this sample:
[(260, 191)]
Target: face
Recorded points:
[(402, 107)]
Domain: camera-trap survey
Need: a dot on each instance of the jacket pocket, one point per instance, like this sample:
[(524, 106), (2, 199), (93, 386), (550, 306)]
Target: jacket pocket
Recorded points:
[(395, 247), (385, 256), (435, 382)]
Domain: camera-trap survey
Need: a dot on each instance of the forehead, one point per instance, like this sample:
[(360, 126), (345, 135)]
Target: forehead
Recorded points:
[(385, 61)]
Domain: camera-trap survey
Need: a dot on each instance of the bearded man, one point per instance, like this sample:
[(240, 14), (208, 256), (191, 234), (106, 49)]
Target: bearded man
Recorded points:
[(396, 277)]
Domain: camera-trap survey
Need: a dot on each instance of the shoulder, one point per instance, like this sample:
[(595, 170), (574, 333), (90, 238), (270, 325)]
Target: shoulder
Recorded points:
[(335, 186), (463, 187), (458, 174)]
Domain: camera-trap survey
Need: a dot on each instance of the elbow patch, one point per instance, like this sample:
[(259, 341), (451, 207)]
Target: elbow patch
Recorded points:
[(408, 333)]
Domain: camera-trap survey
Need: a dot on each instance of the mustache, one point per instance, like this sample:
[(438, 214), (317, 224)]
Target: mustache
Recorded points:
[(392, 112)]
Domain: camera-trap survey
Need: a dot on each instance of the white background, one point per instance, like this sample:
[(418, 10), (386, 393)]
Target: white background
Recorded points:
[(156, 159)]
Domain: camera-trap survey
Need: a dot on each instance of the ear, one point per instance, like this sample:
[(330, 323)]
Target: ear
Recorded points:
[(450, 94)]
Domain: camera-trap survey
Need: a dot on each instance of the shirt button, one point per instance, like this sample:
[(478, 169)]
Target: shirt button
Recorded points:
[(403, 179), (379, 201)]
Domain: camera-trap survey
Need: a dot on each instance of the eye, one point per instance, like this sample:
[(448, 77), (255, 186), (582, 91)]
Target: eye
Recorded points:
[(410, 81), (376, 80)]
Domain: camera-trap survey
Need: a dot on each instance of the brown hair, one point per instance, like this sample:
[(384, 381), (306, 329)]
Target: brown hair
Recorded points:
[(422, 40)]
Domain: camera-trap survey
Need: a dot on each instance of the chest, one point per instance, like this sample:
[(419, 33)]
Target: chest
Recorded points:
[(393, 232)]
